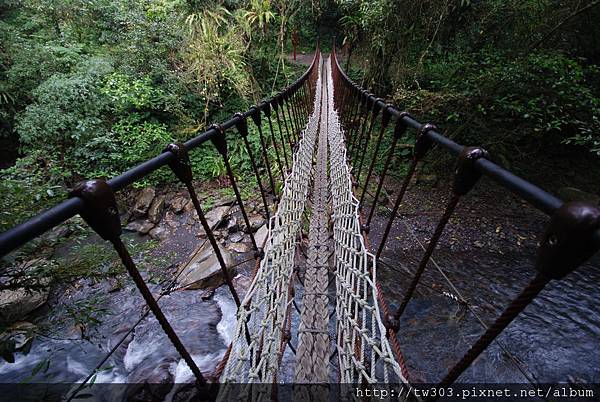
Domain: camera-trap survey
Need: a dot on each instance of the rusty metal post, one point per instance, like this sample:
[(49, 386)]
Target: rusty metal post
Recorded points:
[(422, 146), (278, 106), (362, 111), (274, 104), (376, 109), (399, 130), (101, 213), (256, 118), (220, 142), (465, 177), (385, 120), (242, 127), (267, 110), (182, 169), (283, 106), (292, 114)]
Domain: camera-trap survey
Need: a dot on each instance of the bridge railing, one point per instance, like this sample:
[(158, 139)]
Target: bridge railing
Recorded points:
[(95, 201), (571, 237)]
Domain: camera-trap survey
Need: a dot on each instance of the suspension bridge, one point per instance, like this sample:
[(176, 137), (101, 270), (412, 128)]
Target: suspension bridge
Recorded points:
[(324, 304)]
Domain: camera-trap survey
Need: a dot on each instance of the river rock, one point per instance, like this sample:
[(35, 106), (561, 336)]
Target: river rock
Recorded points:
[(236, 237), (218, 234), (142, 202), (21, 333), (178, 204), (232, 224), (256, 221), (189, 208), (155, 210), (224, 201), (203, 269), (159, 233), (215, 215), (427, 179), (261, 235), (59, 232), (239, 247), (142, 227), (16, 304), (171, 219)]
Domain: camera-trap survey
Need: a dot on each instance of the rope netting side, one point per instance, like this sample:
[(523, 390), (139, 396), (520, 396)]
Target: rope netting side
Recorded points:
[(364, 353), (256, 347)]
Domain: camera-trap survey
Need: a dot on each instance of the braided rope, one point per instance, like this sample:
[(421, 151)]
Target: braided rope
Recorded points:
[(363, 348), (256, 347), (364, 353), (313, 332)]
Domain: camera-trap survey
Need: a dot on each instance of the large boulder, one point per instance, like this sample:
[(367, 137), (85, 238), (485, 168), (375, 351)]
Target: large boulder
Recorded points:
[(256, 221), (140, 226), (15, 304), (203, 269), (239, 248), (236, 237), (142, 202), (261, 236), (215, 215), (159, 233)]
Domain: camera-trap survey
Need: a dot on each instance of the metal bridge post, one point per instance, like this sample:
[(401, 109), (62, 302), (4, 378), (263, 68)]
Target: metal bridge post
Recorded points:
[(422, 145), (284, 105), (290, 135), (354, 96), (182, 169), (361, 112), (292, 112), (301, 104), (465, 177), (305, 101), (352, 116), (274, 105), (220, 143), (344, 89), (399, 130), (267, 109), (363, 151), (364, 123), (256, 118), (386, 116), (101, 213), (569, 240), (296, 107), (242, 127)]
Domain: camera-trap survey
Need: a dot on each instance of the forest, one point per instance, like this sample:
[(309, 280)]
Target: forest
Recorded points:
[(92, 88)]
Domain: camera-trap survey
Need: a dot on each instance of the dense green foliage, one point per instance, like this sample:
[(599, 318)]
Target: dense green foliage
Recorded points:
[(92, 88), (519, 77)]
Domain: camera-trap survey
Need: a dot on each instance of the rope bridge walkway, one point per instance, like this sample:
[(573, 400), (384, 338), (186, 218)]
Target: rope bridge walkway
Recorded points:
[(321, 307)]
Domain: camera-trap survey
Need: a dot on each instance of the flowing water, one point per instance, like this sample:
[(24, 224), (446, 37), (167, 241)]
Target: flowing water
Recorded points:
[(204, 325), (555, 339)]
